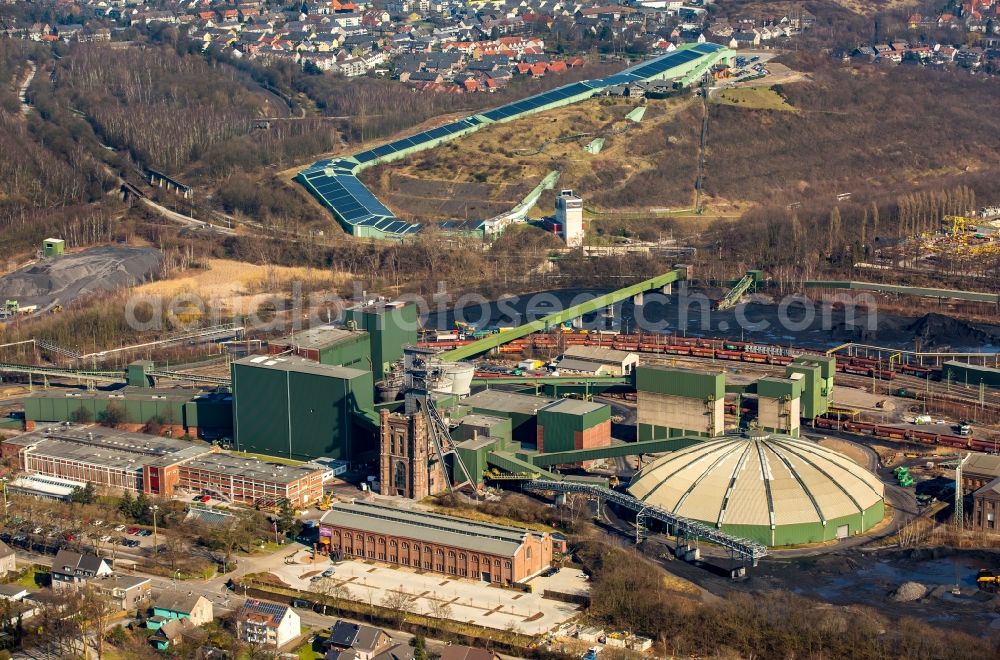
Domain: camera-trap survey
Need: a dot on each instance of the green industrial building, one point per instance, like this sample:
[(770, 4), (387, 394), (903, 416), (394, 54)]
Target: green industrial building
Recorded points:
[(969, 375), (673, 402), (817, 387), (520, 409), (390, 326), (292, 407), (774, 489), (371, 338), (207, 414), (569, 424), (327, 344)]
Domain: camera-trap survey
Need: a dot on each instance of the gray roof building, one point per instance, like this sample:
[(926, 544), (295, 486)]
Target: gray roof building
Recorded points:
[(426, 527), (502, 400)]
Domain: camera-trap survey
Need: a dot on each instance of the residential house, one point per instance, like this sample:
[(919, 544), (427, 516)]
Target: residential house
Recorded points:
[(458, 652), (356, 641), (267, 624), (745, 39), (421, 76), (8, 562), (177, 604), (12, 591), (72, 569), (126, 592), (20, 604), (969, 57), (170, 633), (351, 67)]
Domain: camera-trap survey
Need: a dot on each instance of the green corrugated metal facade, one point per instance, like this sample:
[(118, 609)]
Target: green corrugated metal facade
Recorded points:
[(389, 329), (474, 456), (353, 351), (484, 425), (650, 432), (963, 373), (804, 533), (691, 383), (559, 427), (202, 412), (522, 425), (817, 383), (776, 388), (135, 373), (303, 414)]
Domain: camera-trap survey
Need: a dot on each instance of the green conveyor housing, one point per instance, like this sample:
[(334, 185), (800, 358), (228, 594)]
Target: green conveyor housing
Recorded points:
[(557, 318)]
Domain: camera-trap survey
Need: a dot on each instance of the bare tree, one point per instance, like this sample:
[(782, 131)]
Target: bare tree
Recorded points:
[(96, 612), (399, 602), (328, 590), (440, 609)]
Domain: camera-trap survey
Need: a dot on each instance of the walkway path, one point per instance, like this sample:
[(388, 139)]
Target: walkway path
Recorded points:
[(22, 93)]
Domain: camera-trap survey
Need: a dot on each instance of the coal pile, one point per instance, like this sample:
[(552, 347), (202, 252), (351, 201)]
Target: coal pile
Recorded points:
[(64, 279), (940, 331)]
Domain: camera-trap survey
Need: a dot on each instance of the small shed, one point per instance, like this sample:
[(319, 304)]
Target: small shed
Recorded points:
[(53, 247)]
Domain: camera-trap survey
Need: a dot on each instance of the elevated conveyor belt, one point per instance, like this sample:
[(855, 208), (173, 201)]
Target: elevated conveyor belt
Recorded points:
[(541, 325), (745, 548), (951, 294), (553, 380), (734, 294), (109, 376), (612, 451)]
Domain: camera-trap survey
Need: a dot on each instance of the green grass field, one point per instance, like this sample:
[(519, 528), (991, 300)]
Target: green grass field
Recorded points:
[(753, 98)]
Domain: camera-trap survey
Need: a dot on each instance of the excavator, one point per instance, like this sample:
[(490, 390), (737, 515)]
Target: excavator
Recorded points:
[(988, 580)]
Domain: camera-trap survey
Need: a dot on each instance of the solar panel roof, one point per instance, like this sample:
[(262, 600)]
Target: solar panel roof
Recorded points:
[(335, 183)]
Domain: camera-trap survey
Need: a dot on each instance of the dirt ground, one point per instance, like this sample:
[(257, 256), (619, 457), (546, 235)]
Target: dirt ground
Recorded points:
[(511, 158), (236, 286)]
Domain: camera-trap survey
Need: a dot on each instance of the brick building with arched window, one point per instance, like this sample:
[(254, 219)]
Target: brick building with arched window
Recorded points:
[(432, 542)]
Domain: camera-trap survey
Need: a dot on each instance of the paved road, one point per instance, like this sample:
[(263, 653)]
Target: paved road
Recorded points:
[(187, 220)]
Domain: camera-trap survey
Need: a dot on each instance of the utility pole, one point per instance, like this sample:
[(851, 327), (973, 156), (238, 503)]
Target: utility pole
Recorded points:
[(959, 496), (3, 481), (156, 544)]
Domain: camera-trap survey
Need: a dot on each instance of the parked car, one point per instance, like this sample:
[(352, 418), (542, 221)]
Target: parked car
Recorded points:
[(328, 573), (120, 528), (133, 530), (70, 537), (105, 538), (316, 578), (205, 498)]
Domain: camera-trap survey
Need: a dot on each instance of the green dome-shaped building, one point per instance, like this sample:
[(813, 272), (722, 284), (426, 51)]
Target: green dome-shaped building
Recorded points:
[(775, 489)]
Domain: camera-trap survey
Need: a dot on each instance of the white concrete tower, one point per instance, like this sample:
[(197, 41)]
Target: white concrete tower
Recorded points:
[(569, 215)]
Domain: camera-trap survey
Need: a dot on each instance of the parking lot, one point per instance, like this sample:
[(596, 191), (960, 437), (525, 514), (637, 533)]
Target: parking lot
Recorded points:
[(43, 535), (565, 581), (462, 600)]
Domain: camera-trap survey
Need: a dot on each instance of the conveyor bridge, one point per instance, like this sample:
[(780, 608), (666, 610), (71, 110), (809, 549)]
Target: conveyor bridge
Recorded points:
[(746, 549)]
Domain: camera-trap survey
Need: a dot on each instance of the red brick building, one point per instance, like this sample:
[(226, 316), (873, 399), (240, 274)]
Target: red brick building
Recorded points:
[(432, 542)]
